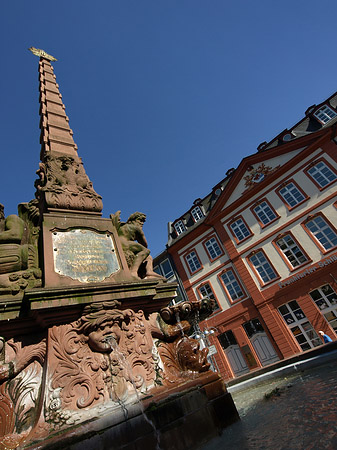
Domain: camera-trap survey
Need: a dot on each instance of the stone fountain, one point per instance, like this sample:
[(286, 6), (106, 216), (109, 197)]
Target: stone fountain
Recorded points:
[(91, 356)]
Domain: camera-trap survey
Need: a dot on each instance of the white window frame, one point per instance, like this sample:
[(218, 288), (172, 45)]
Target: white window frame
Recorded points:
[(197, 213), (165, 274), (324, 114), (263, 267), (322, 174), (232, 285), (291, 251), (193, 261), (291, 194), (205, 290), (240, 229), (265, 213), (322, 232), (179, 227), (212, 245)]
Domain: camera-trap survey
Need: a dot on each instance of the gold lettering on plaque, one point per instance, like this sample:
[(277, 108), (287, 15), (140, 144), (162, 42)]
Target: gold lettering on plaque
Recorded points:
[(84, 255)]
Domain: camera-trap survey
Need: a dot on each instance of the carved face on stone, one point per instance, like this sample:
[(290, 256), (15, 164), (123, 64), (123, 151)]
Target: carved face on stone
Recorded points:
[(104, 336), (137, 217), (101, 324)]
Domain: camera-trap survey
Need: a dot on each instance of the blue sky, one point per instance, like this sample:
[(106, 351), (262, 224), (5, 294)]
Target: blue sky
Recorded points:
[(163, 96)]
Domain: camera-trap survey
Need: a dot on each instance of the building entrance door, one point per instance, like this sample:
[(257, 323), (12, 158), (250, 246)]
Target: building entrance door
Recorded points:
[(264, 350), (236, 360), (260, 342), (233, 353)]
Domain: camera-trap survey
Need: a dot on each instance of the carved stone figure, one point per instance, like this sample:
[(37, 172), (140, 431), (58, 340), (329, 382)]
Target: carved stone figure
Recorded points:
[(135, 245), (181, 355), (191, 358), (18, 257)]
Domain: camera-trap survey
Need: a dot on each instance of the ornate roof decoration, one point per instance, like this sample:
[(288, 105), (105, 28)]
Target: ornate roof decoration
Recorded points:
[(257, 174), (41, 53)]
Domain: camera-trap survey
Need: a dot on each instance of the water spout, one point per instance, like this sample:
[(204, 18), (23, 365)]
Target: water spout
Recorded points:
[(177, 315)]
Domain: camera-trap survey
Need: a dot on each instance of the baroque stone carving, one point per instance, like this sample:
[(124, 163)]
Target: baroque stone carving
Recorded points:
[(20, 389), (18, 251), (63, 184), (180, 355), (135, 245), (104, 356), (107, 359), (182, 358)]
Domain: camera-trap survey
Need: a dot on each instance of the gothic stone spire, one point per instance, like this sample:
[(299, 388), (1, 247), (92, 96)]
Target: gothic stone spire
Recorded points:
[(63, 183)]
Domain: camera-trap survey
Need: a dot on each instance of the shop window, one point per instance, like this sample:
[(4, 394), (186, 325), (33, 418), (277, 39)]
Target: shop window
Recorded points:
[(240, 230), (179, 227), (213, 248), (323, 232), (291, 251), (292, 195), (264, 213), (299, 325), (326, 300), (263, 267), (193, 262), (321, 174), (206, 291), (197, 213), (325, 114), (232, 285)]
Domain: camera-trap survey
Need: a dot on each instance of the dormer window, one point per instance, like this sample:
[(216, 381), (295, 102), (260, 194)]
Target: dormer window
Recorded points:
[(325, 114), (179, 227), (197, 213)]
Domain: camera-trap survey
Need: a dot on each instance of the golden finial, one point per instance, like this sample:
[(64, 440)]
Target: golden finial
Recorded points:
[(41, 53)]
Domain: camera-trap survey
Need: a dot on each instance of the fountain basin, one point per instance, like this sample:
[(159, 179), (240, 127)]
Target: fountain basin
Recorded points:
[(181, 417)]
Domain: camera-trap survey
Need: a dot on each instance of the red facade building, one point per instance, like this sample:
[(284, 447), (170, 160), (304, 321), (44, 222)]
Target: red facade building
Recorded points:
[(263, 244)]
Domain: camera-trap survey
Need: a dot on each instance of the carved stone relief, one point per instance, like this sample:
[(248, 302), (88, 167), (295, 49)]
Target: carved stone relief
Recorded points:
[(106, 360), (64, 184), (18, 250), (20, 389), (105, 356)]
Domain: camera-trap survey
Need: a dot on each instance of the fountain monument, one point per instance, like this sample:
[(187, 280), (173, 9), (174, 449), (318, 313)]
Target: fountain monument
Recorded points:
[(91, 355)]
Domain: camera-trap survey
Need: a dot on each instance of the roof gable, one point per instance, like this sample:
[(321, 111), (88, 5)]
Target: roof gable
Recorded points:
[(256, 170)]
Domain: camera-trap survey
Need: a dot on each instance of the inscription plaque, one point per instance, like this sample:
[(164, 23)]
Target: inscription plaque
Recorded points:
[(84, 255)]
